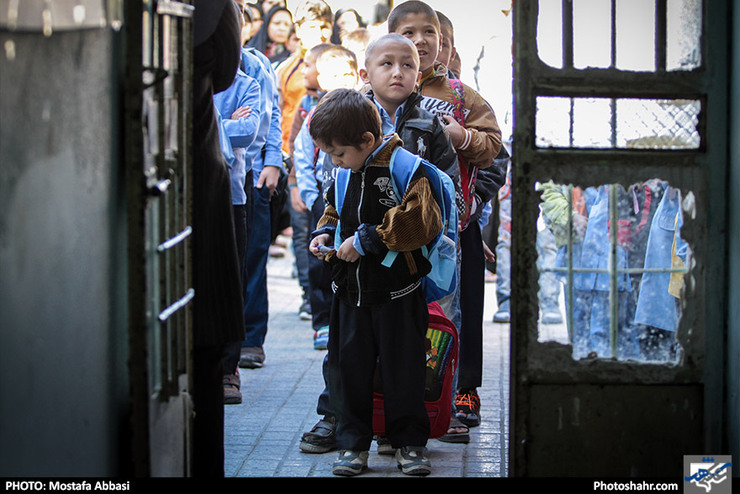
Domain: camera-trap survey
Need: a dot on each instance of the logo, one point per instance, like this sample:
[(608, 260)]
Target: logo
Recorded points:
[(707, 474)]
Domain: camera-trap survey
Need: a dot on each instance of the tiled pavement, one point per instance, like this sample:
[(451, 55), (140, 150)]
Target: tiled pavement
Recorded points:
[(279, 402)]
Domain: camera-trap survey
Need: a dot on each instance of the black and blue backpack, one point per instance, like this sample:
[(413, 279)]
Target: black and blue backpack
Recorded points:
[(442, 251)]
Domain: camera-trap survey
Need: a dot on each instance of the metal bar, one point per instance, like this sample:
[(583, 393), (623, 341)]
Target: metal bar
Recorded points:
[(177, 9), (168, 244), (613, 285), (179, 304), (567, 33), (570, 271), (661, 35)]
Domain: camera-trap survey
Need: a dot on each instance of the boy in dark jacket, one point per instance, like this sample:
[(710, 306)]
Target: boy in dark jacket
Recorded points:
[(377, 312), (422, 133)]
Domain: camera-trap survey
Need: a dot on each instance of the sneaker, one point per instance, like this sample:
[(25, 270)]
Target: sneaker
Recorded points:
[(321, 338), (252, 357), (552, 316), (304, 312), (503, 314), (467, 408), (321, 438), (350, 463), (384, 445), (411, 461), (232, 395)]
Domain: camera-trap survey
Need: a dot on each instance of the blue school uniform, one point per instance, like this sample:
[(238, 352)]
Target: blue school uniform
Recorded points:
[(241, 133)]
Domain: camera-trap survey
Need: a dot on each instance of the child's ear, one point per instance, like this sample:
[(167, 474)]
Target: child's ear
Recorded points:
[(368, 139), (363, 76)]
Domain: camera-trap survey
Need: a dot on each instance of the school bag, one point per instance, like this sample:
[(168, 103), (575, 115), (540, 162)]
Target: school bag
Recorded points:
[(468, 173), (441, 365), (442, 251)]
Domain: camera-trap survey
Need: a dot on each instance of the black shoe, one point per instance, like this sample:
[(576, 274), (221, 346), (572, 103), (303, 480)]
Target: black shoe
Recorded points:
[(322, 438), (467, 406)]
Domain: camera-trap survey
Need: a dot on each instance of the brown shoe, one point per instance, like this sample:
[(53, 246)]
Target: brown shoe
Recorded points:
[(232, 395)]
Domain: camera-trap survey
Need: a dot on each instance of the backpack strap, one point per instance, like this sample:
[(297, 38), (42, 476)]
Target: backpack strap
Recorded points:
[(340, 189), (402, 167)]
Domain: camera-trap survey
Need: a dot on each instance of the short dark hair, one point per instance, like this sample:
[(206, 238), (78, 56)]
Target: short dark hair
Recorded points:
[(410, 7), (445, 21), (342, 117)]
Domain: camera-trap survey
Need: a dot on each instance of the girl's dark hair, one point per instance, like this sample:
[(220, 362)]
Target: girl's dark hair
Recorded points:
[(342, 117)]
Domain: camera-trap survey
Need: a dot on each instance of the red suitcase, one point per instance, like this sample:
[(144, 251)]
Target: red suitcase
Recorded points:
[(441, 365)]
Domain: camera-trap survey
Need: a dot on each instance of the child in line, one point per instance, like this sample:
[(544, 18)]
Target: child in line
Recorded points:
[(300, 215), (477, 137), (313, 22), (377, 312), (336, 67), (239, 111), (392, 71)]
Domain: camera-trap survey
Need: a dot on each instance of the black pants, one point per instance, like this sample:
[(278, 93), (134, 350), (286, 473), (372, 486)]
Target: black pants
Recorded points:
[(394, 333), (472, 297), (241, 228), (319, 276), (208, 404)]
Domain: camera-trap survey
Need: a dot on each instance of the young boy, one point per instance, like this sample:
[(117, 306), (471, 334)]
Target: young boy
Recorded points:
[(377, 312), (336, 67), (392, 71), (313, 22), (476, 135)]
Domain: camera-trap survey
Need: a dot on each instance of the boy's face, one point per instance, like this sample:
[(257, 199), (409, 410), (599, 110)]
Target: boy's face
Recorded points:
[(392, 70), (310, 73), (424, 34), (336, 73), (312, 33), (447, 48), (350, 157)]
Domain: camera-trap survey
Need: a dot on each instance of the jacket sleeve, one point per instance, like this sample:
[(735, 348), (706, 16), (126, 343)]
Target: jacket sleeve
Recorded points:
[(415, 222), (483, 141), (303, 161), (242, 131)]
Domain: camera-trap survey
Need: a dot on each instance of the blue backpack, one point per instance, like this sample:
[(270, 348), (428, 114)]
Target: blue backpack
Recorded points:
[(442, 251)]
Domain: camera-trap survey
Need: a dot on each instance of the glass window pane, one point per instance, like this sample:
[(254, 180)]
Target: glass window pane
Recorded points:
[(617, 123), (684, 20), (634, 38), (618, 290), (592, 33), (635, 35)]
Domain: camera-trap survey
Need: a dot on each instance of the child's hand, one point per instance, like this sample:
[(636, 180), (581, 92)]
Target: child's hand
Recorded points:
[(488, 253), (241, 112), (296, 201), (347, 251), (456, 131), (317, 242)]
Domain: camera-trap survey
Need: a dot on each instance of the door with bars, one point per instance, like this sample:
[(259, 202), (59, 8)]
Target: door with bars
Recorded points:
[(616, 207), (160, 202)]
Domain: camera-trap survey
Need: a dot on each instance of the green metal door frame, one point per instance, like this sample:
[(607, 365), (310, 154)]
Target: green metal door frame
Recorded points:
[(541, 370)]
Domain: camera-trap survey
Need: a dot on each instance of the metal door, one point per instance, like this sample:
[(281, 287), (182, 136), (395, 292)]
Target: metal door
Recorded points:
[(610, 96), (159, 45)]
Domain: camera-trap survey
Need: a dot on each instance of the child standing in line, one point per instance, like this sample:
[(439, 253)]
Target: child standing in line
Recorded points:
[(476, 135), (377, 312), (336, 67), (313, 22), (392, 71)]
